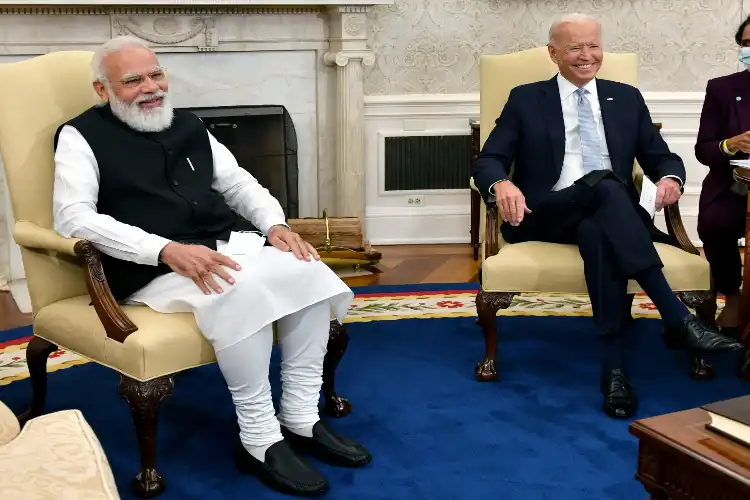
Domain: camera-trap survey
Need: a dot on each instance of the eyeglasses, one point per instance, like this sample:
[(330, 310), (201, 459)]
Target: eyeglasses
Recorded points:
[(135, 80)]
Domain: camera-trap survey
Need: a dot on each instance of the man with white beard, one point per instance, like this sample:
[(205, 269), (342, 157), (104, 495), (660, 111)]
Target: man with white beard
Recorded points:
[(158, 195)]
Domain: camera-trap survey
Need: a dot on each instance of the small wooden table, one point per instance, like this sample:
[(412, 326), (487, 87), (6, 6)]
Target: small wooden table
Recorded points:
[(678, 458)]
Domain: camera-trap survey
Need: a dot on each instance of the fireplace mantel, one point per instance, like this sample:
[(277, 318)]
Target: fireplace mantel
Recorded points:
[(194, 3), (62, 7)]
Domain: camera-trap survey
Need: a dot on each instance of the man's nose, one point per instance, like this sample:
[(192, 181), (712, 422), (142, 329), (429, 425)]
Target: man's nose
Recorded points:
[(149, 85)]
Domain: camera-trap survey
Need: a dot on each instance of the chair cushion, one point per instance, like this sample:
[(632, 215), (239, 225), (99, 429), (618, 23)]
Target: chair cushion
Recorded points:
[(9, 427), (163, 343), (56, 456), (549, 267)]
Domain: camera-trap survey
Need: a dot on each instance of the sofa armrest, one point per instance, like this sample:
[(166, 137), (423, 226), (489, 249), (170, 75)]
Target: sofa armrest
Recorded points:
[(34, 237), (9, 426)]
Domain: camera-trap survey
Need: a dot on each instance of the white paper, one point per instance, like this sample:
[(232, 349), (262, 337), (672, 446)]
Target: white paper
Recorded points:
[(648, 196), (245, 243), (740, 163)]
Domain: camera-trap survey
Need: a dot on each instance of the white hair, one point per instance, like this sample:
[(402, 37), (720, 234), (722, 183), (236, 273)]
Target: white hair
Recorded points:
[(114, 45), (142, 120), (569, 18)]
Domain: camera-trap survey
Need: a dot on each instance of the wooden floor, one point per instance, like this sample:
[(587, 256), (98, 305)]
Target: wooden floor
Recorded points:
[(400, 265)]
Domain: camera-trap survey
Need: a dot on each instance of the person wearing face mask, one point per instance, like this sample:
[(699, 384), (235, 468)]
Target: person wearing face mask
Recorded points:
[(724, 135)]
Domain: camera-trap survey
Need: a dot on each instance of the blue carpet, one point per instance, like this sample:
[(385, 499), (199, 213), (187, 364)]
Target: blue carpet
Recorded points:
[(433, 430)]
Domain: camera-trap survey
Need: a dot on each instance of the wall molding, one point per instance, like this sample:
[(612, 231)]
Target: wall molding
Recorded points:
[(444, 218)]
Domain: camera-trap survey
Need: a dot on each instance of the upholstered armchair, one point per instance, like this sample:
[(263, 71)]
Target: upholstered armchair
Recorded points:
[(55, 455), (72, 305), (507, 269)]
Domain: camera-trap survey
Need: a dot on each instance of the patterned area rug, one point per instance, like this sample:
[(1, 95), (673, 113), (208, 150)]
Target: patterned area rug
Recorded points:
[(451, 301)]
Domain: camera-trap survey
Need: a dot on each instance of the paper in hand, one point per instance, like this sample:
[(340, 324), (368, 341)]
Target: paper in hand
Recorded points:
[(243, 243), (648, 196)]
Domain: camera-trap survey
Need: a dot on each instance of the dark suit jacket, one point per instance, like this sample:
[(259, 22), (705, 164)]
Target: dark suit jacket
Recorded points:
[(531, 131), (723, 116)]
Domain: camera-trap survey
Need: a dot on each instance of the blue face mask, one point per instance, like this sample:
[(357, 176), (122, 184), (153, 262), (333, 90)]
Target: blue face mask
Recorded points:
[(745, 56)]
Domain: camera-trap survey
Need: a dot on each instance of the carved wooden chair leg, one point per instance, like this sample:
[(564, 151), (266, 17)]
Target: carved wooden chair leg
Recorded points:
[(335, 405), (743, 371), (488, 304), (704, 303), (478, 321), (144, 399), (37, 353)]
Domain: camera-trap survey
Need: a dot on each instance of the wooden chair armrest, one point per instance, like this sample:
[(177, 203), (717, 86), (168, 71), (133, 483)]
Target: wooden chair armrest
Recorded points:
[(116, 323), (676, 229), (491, 230), (34, 237)]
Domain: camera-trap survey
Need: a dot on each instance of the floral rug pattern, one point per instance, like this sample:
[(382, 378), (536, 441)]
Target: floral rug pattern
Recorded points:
[(371, 307)]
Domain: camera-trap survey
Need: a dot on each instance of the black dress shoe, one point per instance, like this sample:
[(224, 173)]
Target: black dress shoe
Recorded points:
[(329, 447), (283, 470), (619, 396), (697, 336)]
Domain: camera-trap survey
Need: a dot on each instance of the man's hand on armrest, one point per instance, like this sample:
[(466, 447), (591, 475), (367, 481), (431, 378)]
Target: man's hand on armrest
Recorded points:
[(668, 191), (510, 202)]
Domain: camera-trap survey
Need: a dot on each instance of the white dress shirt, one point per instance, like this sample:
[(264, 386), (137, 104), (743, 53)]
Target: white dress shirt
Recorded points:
[(572, 167), (76, 191)]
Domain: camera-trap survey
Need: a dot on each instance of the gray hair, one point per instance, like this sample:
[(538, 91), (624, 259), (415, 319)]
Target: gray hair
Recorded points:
[(114, 45), (569, 18)]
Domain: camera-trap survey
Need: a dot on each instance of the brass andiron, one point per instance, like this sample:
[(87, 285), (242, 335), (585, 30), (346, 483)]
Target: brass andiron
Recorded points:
[(338, 255)]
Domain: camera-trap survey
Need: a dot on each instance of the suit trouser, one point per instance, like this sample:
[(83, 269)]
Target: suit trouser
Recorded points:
[(612, 238), (721, 222)]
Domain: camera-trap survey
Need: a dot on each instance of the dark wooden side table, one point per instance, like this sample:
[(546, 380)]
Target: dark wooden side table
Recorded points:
[(475, 198), (678, 458)]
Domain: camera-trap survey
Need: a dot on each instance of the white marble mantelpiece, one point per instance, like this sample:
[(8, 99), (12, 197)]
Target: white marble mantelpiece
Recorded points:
[(306, 55), (193, 3)]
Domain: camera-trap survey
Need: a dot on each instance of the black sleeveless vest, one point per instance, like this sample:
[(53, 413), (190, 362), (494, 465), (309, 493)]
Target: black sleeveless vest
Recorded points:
[(159, 182)]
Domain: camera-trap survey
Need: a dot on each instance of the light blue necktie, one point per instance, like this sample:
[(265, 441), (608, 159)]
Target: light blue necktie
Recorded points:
[(590, 143)]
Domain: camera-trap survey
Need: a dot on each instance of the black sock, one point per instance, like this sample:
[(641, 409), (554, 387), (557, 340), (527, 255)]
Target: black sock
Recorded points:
[(655, 285), (613, 357)]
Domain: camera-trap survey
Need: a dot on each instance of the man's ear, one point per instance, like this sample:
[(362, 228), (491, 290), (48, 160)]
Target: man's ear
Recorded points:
[(101, 91), (551, 51)]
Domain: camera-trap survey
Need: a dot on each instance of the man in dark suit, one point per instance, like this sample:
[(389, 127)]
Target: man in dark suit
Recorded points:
[(574, 140)]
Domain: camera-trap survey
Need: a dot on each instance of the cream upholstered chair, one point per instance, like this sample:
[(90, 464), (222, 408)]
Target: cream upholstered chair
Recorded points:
[(54, 456), (511, 269), (65, 275)]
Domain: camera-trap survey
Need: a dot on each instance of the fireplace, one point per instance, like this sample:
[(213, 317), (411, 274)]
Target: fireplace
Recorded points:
[(264, 142)]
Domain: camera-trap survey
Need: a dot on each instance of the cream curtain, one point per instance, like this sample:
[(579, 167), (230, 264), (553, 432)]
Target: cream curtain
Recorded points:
[(4, 233)]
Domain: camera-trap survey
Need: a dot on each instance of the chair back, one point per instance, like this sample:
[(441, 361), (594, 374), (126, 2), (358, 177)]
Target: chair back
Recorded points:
[(498, 74), (36, 96)]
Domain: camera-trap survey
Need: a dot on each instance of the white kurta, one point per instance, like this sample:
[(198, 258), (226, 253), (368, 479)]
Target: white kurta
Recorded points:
[(271, 284)]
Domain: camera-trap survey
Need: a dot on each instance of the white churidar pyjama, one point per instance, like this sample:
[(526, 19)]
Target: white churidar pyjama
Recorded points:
[(271, 286)]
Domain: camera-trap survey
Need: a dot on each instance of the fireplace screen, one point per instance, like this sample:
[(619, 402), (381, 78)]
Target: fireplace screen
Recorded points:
[(264, 142)]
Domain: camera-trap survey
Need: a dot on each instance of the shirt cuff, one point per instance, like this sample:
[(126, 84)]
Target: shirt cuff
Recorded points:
[(268, 228), (673, 177), (151, 248), (492, 191)]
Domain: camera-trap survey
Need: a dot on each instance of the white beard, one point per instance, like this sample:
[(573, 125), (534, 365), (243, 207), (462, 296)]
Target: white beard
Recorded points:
[(140, 119)]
